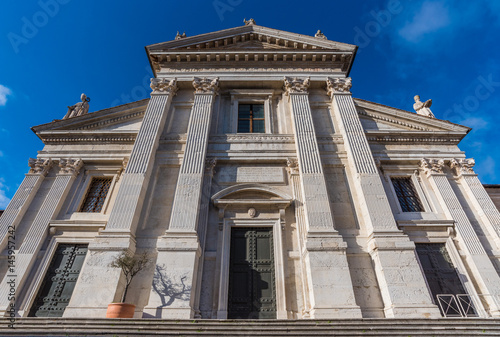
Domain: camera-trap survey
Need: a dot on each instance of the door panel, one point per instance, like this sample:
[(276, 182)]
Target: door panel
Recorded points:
[(252, 292), (59, 282)]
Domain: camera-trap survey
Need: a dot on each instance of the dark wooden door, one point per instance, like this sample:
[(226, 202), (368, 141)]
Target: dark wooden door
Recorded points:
[(443, 280), (252, 292), (59, 282)]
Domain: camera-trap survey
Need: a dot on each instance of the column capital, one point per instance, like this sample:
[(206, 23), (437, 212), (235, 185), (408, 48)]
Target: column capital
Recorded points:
[(39, 166), (206, 86), (338, 86), (164, 86), (293, 166), (462, 166), (70, 166), (295, 85), (432, 166)]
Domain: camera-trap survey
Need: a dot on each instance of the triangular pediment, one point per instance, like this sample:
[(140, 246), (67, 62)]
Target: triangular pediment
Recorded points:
[(384, 123), (251, 36), (118, 123)]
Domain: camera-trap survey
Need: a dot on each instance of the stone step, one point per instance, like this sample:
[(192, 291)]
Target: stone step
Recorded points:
[(340, 327)]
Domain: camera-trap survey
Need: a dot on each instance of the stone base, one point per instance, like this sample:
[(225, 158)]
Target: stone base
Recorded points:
[(431, 311), (168, 313), (330, 313)]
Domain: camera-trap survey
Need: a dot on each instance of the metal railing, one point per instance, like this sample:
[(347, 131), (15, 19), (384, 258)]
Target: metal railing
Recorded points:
[(459, 305)]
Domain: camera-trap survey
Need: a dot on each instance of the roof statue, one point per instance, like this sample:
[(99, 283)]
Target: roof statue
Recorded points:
[(249, 22), (320, 34), (179, 36), (423, 108), (79, 108)]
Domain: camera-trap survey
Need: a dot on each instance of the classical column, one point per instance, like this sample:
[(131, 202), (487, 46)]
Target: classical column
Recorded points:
[(119, 233), (179, 250), (478, 197), (35, 237), (482, 269), (395, 261), (330, 286), (22, 199)]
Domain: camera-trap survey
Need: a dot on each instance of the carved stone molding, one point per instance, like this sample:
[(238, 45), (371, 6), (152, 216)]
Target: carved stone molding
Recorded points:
[(206, 86), (432, 166), (164, 86), (338, 86), (39, 166), (293, 165), (296, 86), (70, 166), (462, 166)]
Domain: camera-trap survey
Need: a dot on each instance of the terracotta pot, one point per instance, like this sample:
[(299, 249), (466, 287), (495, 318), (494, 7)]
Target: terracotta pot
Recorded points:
[(120, 310)]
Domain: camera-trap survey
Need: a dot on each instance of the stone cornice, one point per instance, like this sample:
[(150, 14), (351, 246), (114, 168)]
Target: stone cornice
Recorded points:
[(400, 136), (84, 137)]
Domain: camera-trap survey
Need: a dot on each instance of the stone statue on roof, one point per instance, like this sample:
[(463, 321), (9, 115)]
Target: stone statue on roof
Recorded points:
[(249, 22), (79, 108), (423, 108)]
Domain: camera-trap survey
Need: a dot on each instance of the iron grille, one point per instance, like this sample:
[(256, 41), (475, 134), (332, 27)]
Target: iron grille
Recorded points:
[(96, 194), (407, 196)]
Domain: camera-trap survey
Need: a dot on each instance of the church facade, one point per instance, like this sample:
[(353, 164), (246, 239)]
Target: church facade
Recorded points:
[(259, 188)]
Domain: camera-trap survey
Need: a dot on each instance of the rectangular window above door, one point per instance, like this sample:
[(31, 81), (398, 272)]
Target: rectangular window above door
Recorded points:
[(251, 118)]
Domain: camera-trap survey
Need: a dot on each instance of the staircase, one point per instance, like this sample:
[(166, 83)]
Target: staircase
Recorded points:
[(337, 327)]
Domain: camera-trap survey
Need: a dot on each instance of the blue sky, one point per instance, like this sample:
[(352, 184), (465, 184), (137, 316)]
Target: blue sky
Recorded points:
[(53, 50)]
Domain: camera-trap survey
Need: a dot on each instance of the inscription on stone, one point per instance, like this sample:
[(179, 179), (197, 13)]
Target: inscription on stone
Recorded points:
[(233, 174)]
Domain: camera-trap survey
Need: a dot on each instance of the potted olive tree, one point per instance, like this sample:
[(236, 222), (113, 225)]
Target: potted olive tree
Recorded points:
[(130, 265)]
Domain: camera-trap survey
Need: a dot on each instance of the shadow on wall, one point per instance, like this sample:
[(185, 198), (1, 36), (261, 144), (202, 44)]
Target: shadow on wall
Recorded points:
[(167, 289)]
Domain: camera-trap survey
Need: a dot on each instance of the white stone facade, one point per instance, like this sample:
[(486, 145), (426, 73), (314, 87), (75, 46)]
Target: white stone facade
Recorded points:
[(319, 177)]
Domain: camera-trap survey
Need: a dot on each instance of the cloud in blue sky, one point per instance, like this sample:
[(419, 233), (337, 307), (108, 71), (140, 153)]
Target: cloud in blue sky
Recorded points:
[(4, 201), (431, 17), (4, 92)]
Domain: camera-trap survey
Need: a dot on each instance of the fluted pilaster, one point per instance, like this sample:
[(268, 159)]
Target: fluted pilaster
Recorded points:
[(479, 262), (35, 237)]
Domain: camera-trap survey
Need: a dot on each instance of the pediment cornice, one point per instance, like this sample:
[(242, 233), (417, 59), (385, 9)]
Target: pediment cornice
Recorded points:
[(249, 46), (98, 119), (407, 119)]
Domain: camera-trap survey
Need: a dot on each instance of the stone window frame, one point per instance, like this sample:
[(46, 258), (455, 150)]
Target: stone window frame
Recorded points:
[(424, 200), (83, 187), (36, 282), (427, 232), (252, 96)]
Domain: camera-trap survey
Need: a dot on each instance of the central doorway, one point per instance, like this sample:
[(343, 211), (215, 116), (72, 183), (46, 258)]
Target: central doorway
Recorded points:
[(252, 290)]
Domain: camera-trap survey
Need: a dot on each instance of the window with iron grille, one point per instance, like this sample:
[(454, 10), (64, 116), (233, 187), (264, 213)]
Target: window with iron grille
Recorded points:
[(407, 195), (251, 118), (96, 194)]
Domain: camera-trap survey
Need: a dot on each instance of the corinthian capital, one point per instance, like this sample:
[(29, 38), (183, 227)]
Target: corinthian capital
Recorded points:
[(70, 166), (432, 166), (296, 86), (293, 165), (338, 86), (206, 86), (164, 86), (39, 166), (462, 166)]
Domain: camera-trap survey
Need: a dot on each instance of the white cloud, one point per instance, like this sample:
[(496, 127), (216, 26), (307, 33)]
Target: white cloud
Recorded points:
[(4, 201), (4, 92), (431, 17)]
